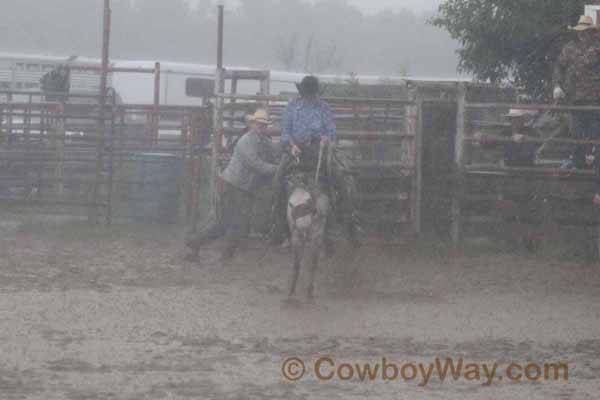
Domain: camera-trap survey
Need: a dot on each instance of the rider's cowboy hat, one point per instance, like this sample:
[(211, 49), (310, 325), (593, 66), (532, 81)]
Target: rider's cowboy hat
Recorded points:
[(585, 22), (260, 116), (308, 86), (519, 112)]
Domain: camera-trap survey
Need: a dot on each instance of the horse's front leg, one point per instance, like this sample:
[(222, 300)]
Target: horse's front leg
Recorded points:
[(315, 245), (314, 263), (316, 241), (297, 250)]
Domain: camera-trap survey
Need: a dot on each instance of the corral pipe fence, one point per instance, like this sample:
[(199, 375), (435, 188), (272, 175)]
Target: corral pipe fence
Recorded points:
[(54, 155), (379, 140), (546, 192)]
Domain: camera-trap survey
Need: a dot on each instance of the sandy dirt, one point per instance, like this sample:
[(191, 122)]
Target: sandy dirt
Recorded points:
[(116, 313)]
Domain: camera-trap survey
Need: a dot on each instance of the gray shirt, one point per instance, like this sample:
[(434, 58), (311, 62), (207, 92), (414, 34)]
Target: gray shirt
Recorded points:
[(254, 158)]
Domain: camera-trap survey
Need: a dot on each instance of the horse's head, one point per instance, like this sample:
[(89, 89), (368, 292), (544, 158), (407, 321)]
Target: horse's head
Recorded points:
[(297, 178)]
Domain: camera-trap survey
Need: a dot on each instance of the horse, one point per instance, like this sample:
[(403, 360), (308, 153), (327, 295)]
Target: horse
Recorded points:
[(308, 207)]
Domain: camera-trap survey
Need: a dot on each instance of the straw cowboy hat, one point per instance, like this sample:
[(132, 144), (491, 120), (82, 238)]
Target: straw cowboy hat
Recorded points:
[(585, 22), (519, 112), (260, 116)]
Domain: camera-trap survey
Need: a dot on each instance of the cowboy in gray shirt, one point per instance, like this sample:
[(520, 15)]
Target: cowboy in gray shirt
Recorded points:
[(252, 166), (254, 156)]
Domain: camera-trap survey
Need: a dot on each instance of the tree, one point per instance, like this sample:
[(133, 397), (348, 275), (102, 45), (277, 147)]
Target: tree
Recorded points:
[(515, 40), (285, 51), (316, 57), (327, 59)]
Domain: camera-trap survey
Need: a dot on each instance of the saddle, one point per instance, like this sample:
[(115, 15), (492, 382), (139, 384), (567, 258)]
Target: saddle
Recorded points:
[(307, 163)]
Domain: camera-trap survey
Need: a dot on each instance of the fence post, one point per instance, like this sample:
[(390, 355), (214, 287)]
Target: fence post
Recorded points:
[(9, 120), (456, 229), (27, 156), (217, 135), (111, 168), (93, 203), (119, 175), (234, 86), (59, 147), (196, 128), (156, 106), (419, 161), (187, 152), (265, 88), (412, 127), (3, 139)]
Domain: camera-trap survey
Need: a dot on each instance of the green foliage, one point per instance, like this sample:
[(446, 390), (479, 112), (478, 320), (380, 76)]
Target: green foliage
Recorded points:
[(351, 86), (516, 40), (343, 87)]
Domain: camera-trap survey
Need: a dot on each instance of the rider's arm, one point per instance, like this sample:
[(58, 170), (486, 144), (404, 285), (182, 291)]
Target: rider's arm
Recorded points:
[(287, 125)]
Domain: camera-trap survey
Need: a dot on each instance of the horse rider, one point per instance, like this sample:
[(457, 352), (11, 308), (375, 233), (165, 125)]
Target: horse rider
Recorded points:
[(308, 124), (251, 168)]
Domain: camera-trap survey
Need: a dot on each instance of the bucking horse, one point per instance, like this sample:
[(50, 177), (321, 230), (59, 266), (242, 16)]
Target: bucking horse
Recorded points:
[(308, 207)]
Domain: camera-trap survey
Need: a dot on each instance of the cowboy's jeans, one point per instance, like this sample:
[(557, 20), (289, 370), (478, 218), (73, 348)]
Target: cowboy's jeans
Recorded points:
[(280, 228), (232, 222)]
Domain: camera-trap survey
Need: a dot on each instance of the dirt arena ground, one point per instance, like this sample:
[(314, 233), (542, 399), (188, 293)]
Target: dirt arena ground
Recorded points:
[(116, 313)]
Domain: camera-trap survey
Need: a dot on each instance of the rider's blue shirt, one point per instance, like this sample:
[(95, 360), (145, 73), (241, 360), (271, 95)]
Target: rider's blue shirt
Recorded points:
[(305, 119)]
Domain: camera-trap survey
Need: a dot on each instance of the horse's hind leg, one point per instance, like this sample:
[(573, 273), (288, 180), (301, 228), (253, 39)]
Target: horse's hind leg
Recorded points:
[(297, 250)]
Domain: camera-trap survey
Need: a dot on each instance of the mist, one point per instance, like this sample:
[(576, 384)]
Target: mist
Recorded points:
[(329, 36)]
